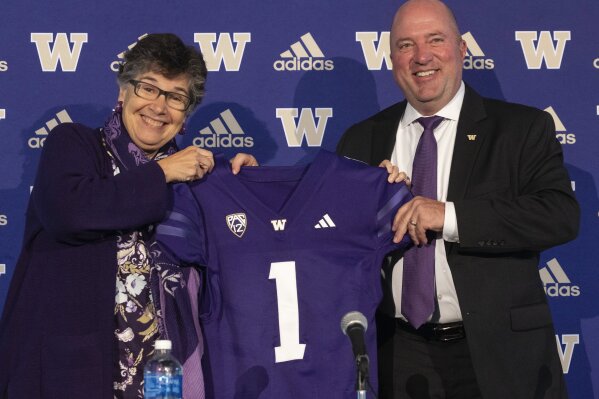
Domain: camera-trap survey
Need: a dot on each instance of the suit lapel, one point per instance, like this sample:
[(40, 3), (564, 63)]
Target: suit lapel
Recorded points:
[(384, 133), (468, 141)]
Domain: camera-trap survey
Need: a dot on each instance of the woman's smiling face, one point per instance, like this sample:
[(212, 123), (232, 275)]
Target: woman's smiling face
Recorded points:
[(152, 123)]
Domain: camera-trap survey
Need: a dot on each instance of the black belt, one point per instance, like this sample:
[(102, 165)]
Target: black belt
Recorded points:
[(435, 332)]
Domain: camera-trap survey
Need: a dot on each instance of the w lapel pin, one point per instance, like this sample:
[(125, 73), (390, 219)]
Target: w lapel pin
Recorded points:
[(471, 137)]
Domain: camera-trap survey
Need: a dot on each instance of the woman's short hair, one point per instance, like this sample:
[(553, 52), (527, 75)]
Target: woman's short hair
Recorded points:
[(166, 54)]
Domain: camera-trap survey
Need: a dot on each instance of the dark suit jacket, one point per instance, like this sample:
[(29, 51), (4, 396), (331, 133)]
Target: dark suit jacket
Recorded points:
[(513, 198)]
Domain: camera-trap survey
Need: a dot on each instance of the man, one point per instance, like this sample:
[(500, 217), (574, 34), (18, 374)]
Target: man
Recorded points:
[(502, 196)]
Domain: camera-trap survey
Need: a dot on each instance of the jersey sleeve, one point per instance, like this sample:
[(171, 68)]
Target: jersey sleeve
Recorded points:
[(391, 197), (182, 233)]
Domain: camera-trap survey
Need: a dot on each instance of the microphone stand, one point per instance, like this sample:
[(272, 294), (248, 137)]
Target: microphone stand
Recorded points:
[(362, 376)]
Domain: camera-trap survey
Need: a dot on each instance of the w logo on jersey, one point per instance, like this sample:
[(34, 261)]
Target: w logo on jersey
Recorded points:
[(306, 126), (545, 49), (223, 52), (278, 224), (60, 52), (237, 223), (374, 54)]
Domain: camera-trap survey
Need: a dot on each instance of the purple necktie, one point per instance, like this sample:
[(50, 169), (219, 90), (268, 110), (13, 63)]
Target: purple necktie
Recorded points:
[(418, 290)]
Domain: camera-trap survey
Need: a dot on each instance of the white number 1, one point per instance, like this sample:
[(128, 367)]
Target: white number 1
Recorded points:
[(284, 275)]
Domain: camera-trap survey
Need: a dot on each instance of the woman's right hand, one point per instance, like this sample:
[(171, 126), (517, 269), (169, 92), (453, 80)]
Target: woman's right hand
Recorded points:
[(188, 164)]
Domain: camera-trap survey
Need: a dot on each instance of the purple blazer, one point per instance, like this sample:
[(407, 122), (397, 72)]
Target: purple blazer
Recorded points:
[(57, 329)]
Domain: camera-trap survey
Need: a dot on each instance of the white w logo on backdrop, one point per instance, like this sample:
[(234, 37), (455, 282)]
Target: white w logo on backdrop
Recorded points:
[(306, 125), (223, 52), (565, 353), (60, 52), (375, 54), (552, 53), (2, 113)]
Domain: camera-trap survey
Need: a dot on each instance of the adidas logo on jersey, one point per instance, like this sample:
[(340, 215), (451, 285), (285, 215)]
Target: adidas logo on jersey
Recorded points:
[(304, 55), (223, 132), (40, 134), (325, 222), (560, 129), (237, 223), (114, 65), (556, 282), (474, 56), (278, 224)]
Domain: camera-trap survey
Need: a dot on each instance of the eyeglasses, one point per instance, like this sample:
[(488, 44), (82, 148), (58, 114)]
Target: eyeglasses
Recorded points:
[(148, 91)]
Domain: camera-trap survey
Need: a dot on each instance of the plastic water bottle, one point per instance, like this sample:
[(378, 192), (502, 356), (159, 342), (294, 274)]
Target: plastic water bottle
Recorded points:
[(163, 374)]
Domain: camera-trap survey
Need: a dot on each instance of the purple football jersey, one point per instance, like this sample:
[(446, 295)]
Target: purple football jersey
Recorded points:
[(288, 251)]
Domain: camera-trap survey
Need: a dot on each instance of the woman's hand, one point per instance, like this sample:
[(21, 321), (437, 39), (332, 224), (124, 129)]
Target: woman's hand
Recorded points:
[(186, 165), (395, 176), (240, 160)]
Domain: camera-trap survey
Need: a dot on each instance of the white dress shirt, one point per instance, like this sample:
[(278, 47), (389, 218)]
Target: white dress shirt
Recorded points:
[(408, 135)]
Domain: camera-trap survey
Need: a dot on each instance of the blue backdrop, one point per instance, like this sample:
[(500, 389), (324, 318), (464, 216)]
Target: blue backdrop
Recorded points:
[(287, 77)]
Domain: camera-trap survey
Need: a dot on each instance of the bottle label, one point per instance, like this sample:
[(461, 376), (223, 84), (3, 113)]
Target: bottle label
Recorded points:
[(161, 386)]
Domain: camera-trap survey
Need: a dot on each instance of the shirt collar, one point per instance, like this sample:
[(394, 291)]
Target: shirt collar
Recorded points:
[(450, 111)]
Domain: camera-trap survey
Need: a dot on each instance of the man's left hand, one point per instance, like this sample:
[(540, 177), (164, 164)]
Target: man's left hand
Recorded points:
[(418, 216)]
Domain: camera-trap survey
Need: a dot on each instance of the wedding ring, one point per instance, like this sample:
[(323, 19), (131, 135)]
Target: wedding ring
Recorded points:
[(413, 223)]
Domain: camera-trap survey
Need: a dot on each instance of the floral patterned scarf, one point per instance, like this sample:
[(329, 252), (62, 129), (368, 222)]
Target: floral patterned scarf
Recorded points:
[(154, 297)]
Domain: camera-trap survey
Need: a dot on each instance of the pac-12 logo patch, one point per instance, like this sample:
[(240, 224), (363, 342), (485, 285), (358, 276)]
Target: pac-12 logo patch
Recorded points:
[(237, 223)]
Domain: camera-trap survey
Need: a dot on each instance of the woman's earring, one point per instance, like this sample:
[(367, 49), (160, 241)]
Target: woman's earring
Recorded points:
[(118, 107), (182, 131)]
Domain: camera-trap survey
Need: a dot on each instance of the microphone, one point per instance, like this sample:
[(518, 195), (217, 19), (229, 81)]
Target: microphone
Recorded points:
[(354, 324)]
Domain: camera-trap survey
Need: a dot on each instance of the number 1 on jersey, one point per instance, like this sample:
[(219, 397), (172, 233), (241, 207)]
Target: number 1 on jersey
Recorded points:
[(284, 275)]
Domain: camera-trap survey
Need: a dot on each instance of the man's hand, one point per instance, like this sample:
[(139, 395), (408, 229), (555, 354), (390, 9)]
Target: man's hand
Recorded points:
[(242, 159), (418, 216), (188, 164), (395, 176)]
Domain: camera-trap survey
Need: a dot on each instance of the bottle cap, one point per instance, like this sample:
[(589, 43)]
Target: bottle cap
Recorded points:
[(163, 344)]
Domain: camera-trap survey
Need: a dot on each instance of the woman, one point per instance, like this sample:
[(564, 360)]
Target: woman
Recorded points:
[(98, 193)]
